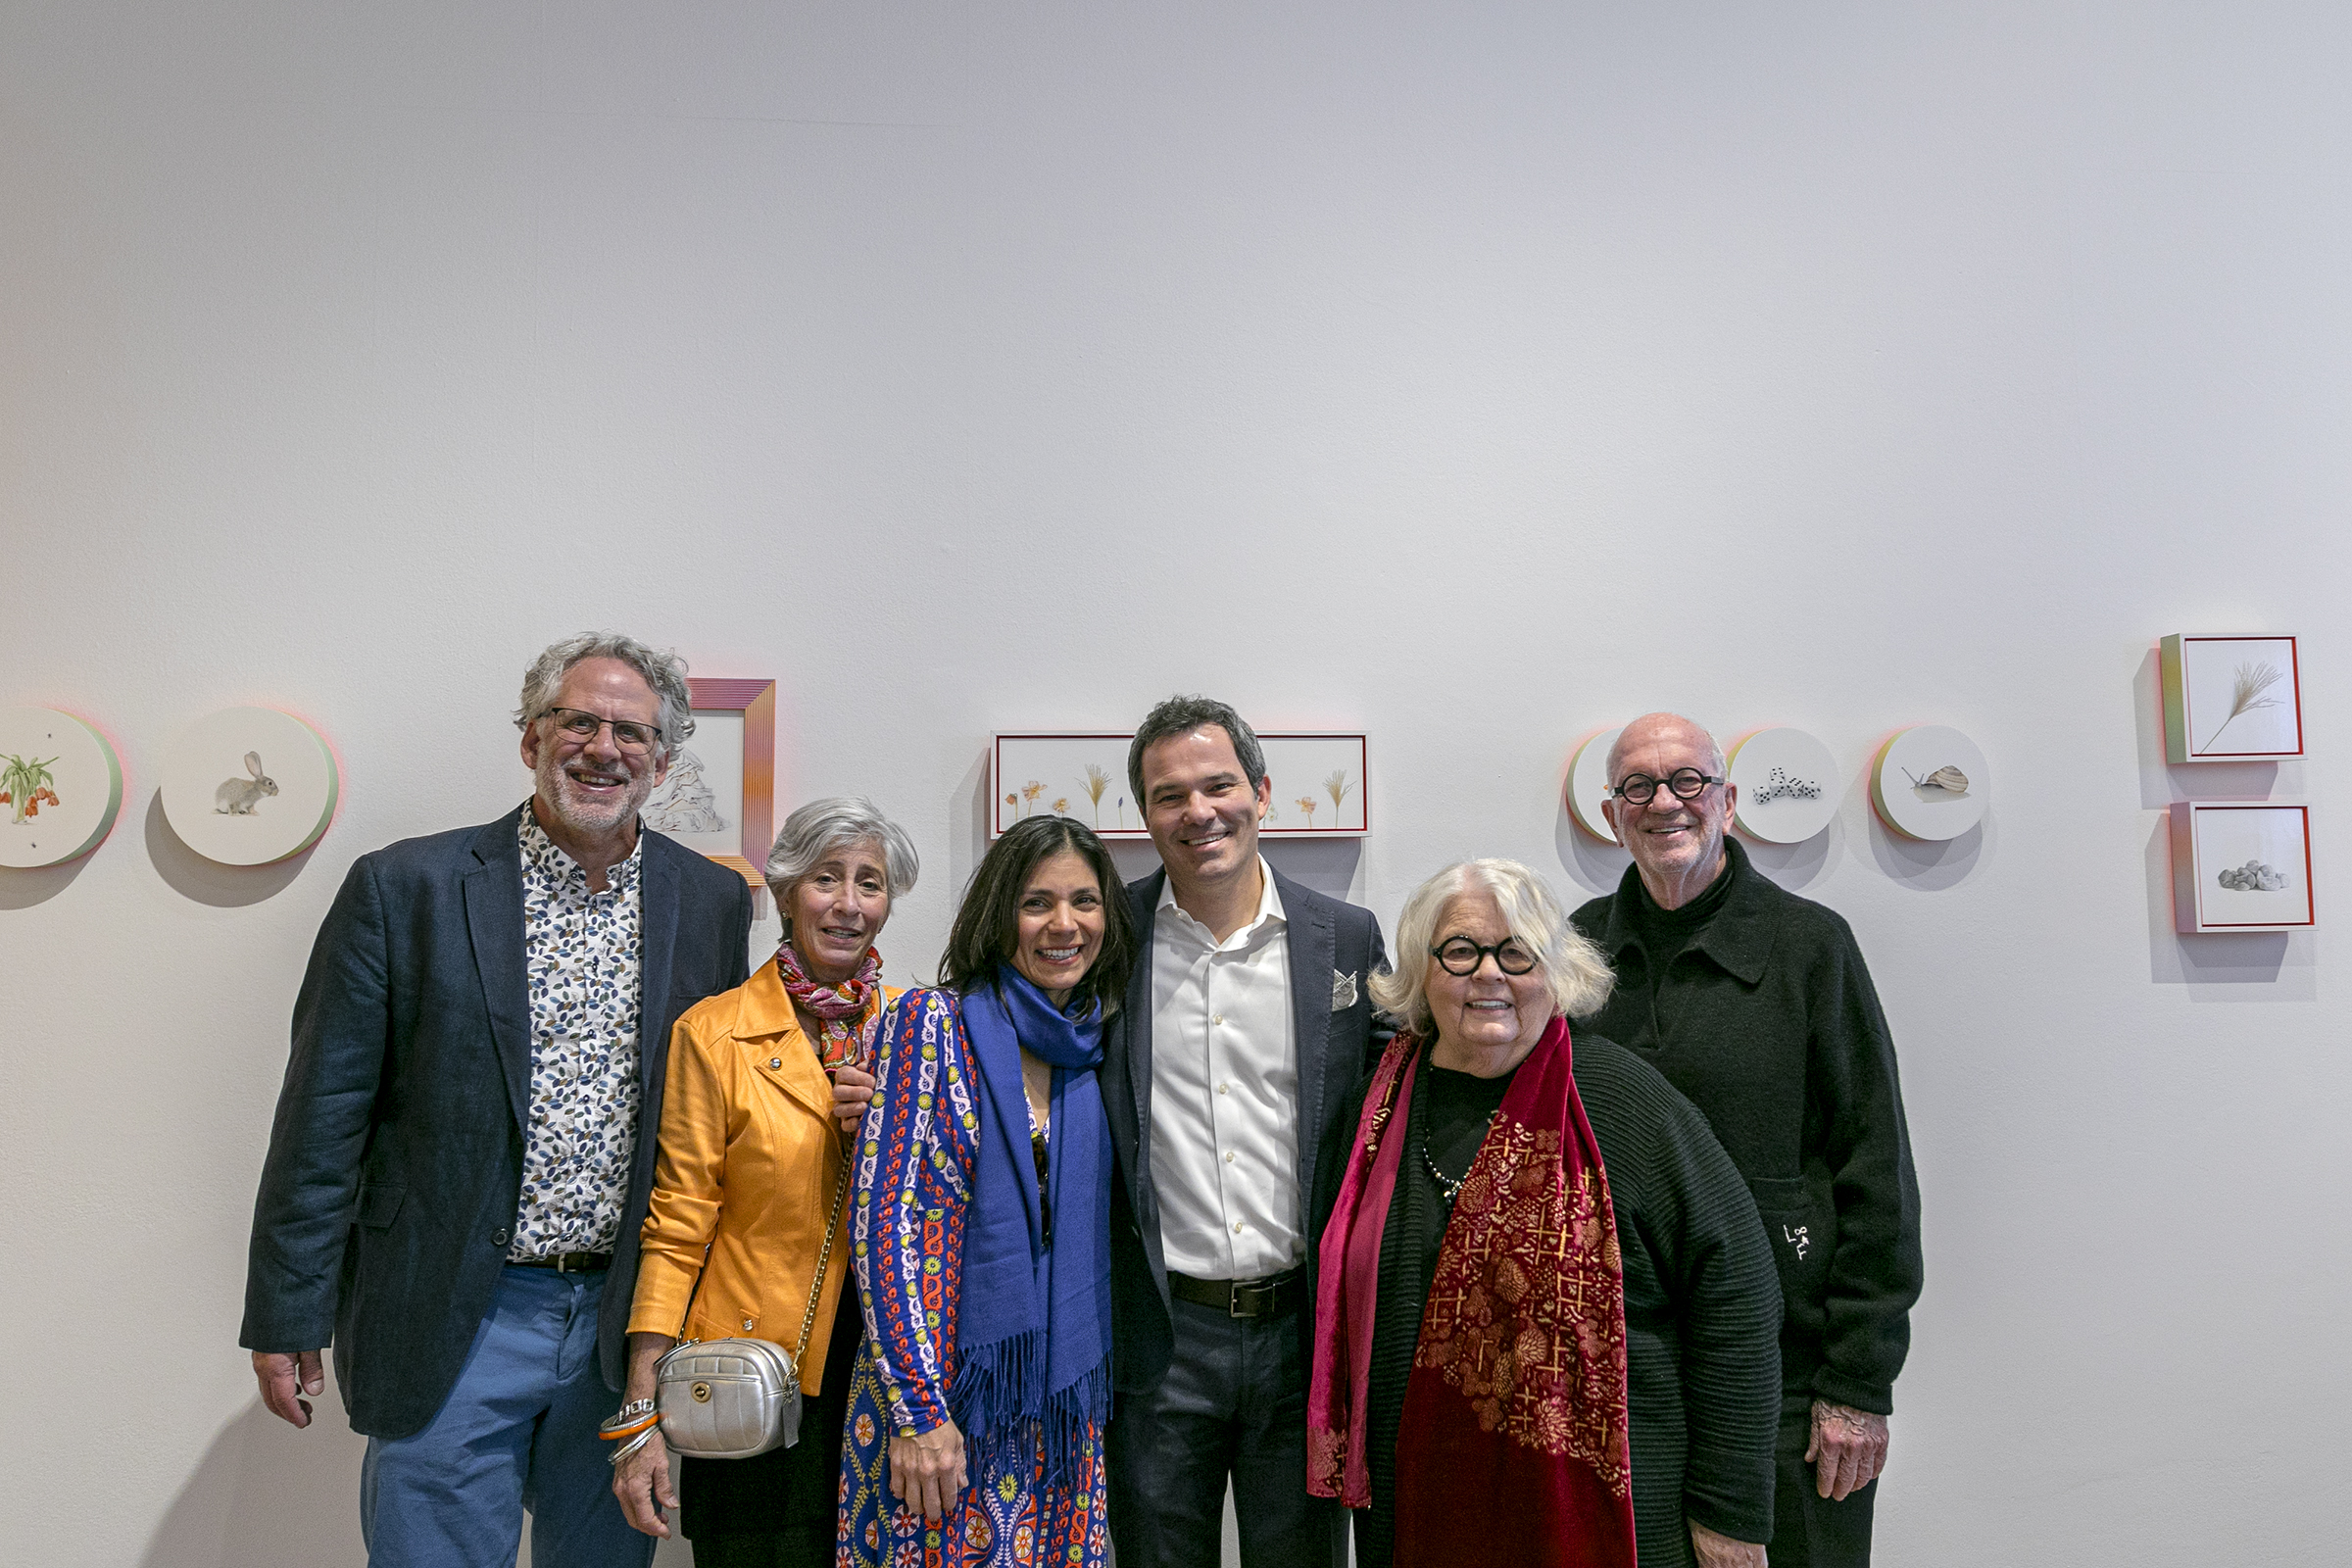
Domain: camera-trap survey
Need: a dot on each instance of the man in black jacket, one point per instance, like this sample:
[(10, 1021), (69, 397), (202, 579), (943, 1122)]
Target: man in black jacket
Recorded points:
[(465, 1141), (1755, 1004), (1248, 1023)]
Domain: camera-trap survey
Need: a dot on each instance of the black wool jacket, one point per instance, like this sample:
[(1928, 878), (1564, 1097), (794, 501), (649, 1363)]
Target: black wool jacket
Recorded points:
[(1768, 1022)]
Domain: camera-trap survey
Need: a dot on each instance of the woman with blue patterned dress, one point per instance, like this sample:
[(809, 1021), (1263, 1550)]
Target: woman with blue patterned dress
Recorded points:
[(980, 1230)]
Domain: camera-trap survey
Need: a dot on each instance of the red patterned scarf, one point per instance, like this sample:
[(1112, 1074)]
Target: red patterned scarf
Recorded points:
[(1515, 1415), (846, 1010)]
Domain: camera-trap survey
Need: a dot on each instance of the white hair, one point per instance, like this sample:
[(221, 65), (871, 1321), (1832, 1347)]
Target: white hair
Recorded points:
[(836, 822), (1572, 967)]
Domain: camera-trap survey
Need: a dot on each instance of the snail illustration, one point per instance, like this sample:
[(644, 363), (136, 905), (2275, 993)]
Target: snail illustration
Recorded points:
[(1948, 779), (237, 797)]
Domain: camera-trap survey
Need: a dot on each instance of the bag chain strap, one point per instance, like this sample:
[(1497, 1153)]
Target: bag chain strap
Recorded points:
[(825, 1260)]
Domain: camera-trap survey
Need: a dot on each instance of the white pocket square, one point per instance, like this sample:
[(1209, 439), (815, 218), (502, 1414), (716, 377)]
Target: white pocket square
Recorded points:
[(1343, 991)]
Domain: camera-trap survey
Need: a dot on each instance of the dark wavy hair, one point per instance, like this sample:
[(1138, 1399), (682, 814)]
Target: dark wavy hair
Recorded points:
[(1181, 716), (988, 924)]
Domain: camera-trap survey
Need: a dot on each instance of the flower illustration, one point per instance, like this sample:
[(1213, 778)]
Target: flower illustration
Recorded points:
[(1097, 781), (26, 786), (2246, 696), (1306, 803), (1061, 805), (1029, 794), (1337, 787), (1123, 812)]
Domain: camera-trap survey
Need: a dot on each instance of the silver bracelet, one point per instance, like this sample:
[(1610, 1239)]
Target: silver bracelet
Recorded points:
[(633, 1445), (630, 1410)]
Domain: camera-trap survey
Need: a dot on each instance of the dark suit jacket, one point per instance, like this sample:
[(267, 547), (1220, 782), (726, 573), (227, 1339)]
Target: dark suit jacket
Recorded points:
[(396, 1157), (1335, 1048)]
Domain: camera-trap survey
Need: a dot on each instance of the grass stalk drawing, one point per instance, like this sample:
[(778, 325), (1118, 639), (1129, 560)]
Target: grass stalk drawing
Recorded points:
[(1337, 787), (2246, 696), (1097, 781)]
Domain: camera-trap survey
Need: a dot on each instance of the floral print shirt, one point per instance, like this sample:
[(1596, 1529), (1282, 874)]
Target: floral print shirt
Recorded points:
[(581, 959)]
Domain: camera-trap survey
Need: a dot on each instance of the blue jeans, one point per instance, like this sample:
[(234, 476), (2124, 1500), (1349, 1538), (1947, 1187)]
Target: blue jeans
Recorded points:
[(517, 1430)]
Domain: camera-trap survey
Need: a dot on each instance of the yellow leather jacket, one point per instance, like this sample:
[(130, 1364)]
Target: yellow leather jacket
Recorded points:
[(745, 1168)]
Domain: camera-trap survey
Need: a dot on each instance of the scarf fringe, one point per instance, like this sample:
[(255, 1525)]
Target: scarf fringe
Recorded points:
[(995, 1383)]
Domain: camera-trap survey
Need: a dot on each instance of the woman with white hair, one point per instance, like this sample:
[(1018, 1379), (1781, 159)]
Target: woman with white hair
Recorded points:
[(1548, 1319), (766, 1084)]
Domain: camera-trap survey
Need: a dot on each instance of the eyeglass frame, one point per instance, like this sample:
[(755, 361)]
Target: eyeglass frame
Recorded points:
[(1617, 790), (602, 724), (1485, 953)]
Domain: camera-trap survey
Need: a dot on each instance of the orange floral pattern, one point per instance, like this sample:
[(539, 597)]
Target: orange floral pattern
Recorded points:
[(1526, 1311)]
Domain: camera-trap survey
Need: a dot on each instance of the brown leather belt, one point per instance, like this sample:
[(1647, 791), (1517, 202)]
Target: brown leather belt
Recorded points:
[(567, 1262), (1271, 1296)]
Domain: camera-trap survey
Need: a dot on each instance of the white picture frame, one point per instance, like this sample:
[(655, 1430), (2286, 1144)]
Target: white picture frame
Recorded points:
[(1083, 775), (2242, 865), (2231, 699)]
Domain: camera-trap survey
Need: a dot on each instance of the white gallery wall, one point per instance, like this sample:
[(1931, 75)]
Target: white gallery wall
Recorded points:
[(1472, 375)]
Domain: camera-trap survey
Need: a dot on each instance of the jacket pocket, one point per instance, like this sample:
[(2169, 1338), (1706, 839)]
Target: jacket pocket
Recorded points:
[(379, 1204), (1802, 1226)]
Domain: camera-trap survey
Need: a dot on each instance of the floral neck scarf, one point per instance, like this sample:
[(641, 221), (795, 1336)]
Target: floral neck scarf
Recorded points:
[(846, 1010)]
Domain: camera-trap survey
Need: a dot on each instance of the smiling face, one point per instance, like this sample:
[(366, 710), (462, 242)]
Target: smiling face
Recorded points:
[(593, 788), (1485, 1018), (1201, 811), (1059, 931), (1678, 844), (837, 910)]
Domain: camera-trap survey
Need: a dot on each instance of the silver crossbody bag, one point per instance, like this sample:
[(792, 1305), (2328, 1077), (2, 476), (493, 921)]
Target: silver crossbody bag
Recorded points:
[(733, 1398)]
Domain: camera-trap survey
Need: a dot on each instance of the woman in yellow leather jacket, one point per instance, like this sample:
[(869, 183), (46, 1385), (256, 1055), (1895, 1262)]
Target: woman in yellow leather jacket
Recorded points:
[(767, 1082)]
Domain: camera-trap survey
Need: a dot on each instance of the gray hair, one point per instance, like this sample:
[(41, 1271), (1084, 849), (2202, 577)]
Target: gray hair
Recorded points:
[(664, 671), (825, 826), (1573, 968), (1181, 716)]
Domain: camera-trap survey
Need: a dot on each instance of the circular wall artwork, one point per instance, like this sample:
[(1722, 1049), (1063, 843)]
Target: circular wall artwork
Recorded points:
[(61, 786), (1588, 784), (1929, 783), (247, 786), (1788, 784)]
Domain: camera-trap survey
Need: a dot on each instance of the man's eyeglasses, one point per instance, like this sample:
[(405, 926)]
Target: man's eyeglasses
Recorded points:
[(1685, 782), (1460, 956), (627, 733)]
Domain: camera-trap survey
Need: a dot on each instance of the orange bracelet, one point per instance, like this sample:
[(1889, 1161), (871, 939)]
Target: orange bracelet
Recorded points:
[(641, 1424)]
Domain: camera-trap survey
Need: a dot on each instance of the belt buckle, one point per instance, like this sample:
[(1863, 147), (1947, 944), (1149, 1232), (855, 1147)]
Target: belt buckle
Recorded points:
[(1261, 1296), (563, 1263)]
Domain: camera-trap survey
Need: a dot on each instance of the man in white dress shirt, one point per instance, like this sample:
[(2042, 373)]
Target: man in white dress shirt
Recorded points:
[(1241, 1037)]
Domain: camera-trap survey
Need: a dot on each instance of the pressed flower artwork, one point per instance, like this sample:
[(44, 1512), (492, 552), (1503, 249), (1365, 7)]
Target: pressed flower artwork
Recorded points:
[(1317, 780)]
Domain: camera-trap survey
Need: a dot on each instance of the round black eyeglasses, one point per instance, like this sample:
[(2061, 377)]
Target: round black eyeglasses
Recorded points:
[(1459, 956), (1685, 782), (627, 733)]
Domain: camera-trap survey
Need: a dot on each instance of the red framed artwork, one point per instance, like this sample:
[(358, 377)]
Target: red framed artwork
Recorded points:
[(1318, 779)]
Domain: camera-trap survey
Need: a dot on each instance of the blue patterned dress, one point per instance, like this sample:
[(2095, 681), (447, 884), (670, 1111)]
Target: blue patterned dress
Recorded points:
[(906, 1222)]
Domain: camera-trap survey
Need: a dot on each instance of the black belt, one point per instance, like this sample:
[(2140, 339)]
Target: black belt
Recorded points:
[(567, 1262), (1271, 1296)]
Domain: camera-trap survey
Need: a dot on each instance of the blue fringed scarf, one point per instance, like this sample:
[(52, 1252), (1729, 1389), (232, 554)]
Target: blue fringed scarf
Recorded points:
[(1034, 1325)]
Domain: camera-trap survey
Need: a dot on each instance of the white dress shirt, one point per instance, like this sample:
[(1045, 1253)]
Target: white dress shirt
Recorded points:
[(1225, 1093)]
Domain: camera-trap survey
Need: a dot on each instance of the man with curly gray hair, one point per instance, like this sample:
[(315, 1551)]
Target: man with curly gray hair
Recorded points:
[(464, 1145)]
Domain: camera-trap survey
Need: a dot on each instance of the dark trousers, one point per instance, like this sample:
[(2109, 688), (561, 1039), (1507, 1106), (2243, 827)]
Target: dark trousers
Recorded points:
[(1808, 1530), (1232, 1404)]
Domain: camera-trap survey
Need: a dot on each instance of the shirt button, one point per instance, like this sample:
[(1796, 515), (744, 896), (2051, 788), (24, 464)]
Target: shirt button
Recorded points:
[(775, 1062), (1216, 1018), (1229, 1157), (1222, 1088), (747, 1325), (1237, 1227), (499, 1240)]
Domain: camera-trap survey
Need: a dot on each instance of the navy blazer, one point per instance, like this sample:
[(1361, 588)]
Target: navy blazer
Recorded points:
[(395, 1162), (1328, 938)]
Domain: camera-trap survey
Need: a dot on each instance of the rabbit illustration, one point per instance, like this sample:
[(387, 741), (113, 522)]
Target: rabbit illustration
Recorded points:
[(237, 797)]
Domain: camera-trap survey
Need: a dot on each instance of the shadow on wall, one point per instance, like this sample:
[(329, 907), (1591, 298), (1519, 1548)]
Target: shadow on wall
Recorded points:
[(21, 888), (1591, 866), (208, 881), (269, 1496), (1798, 866)]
